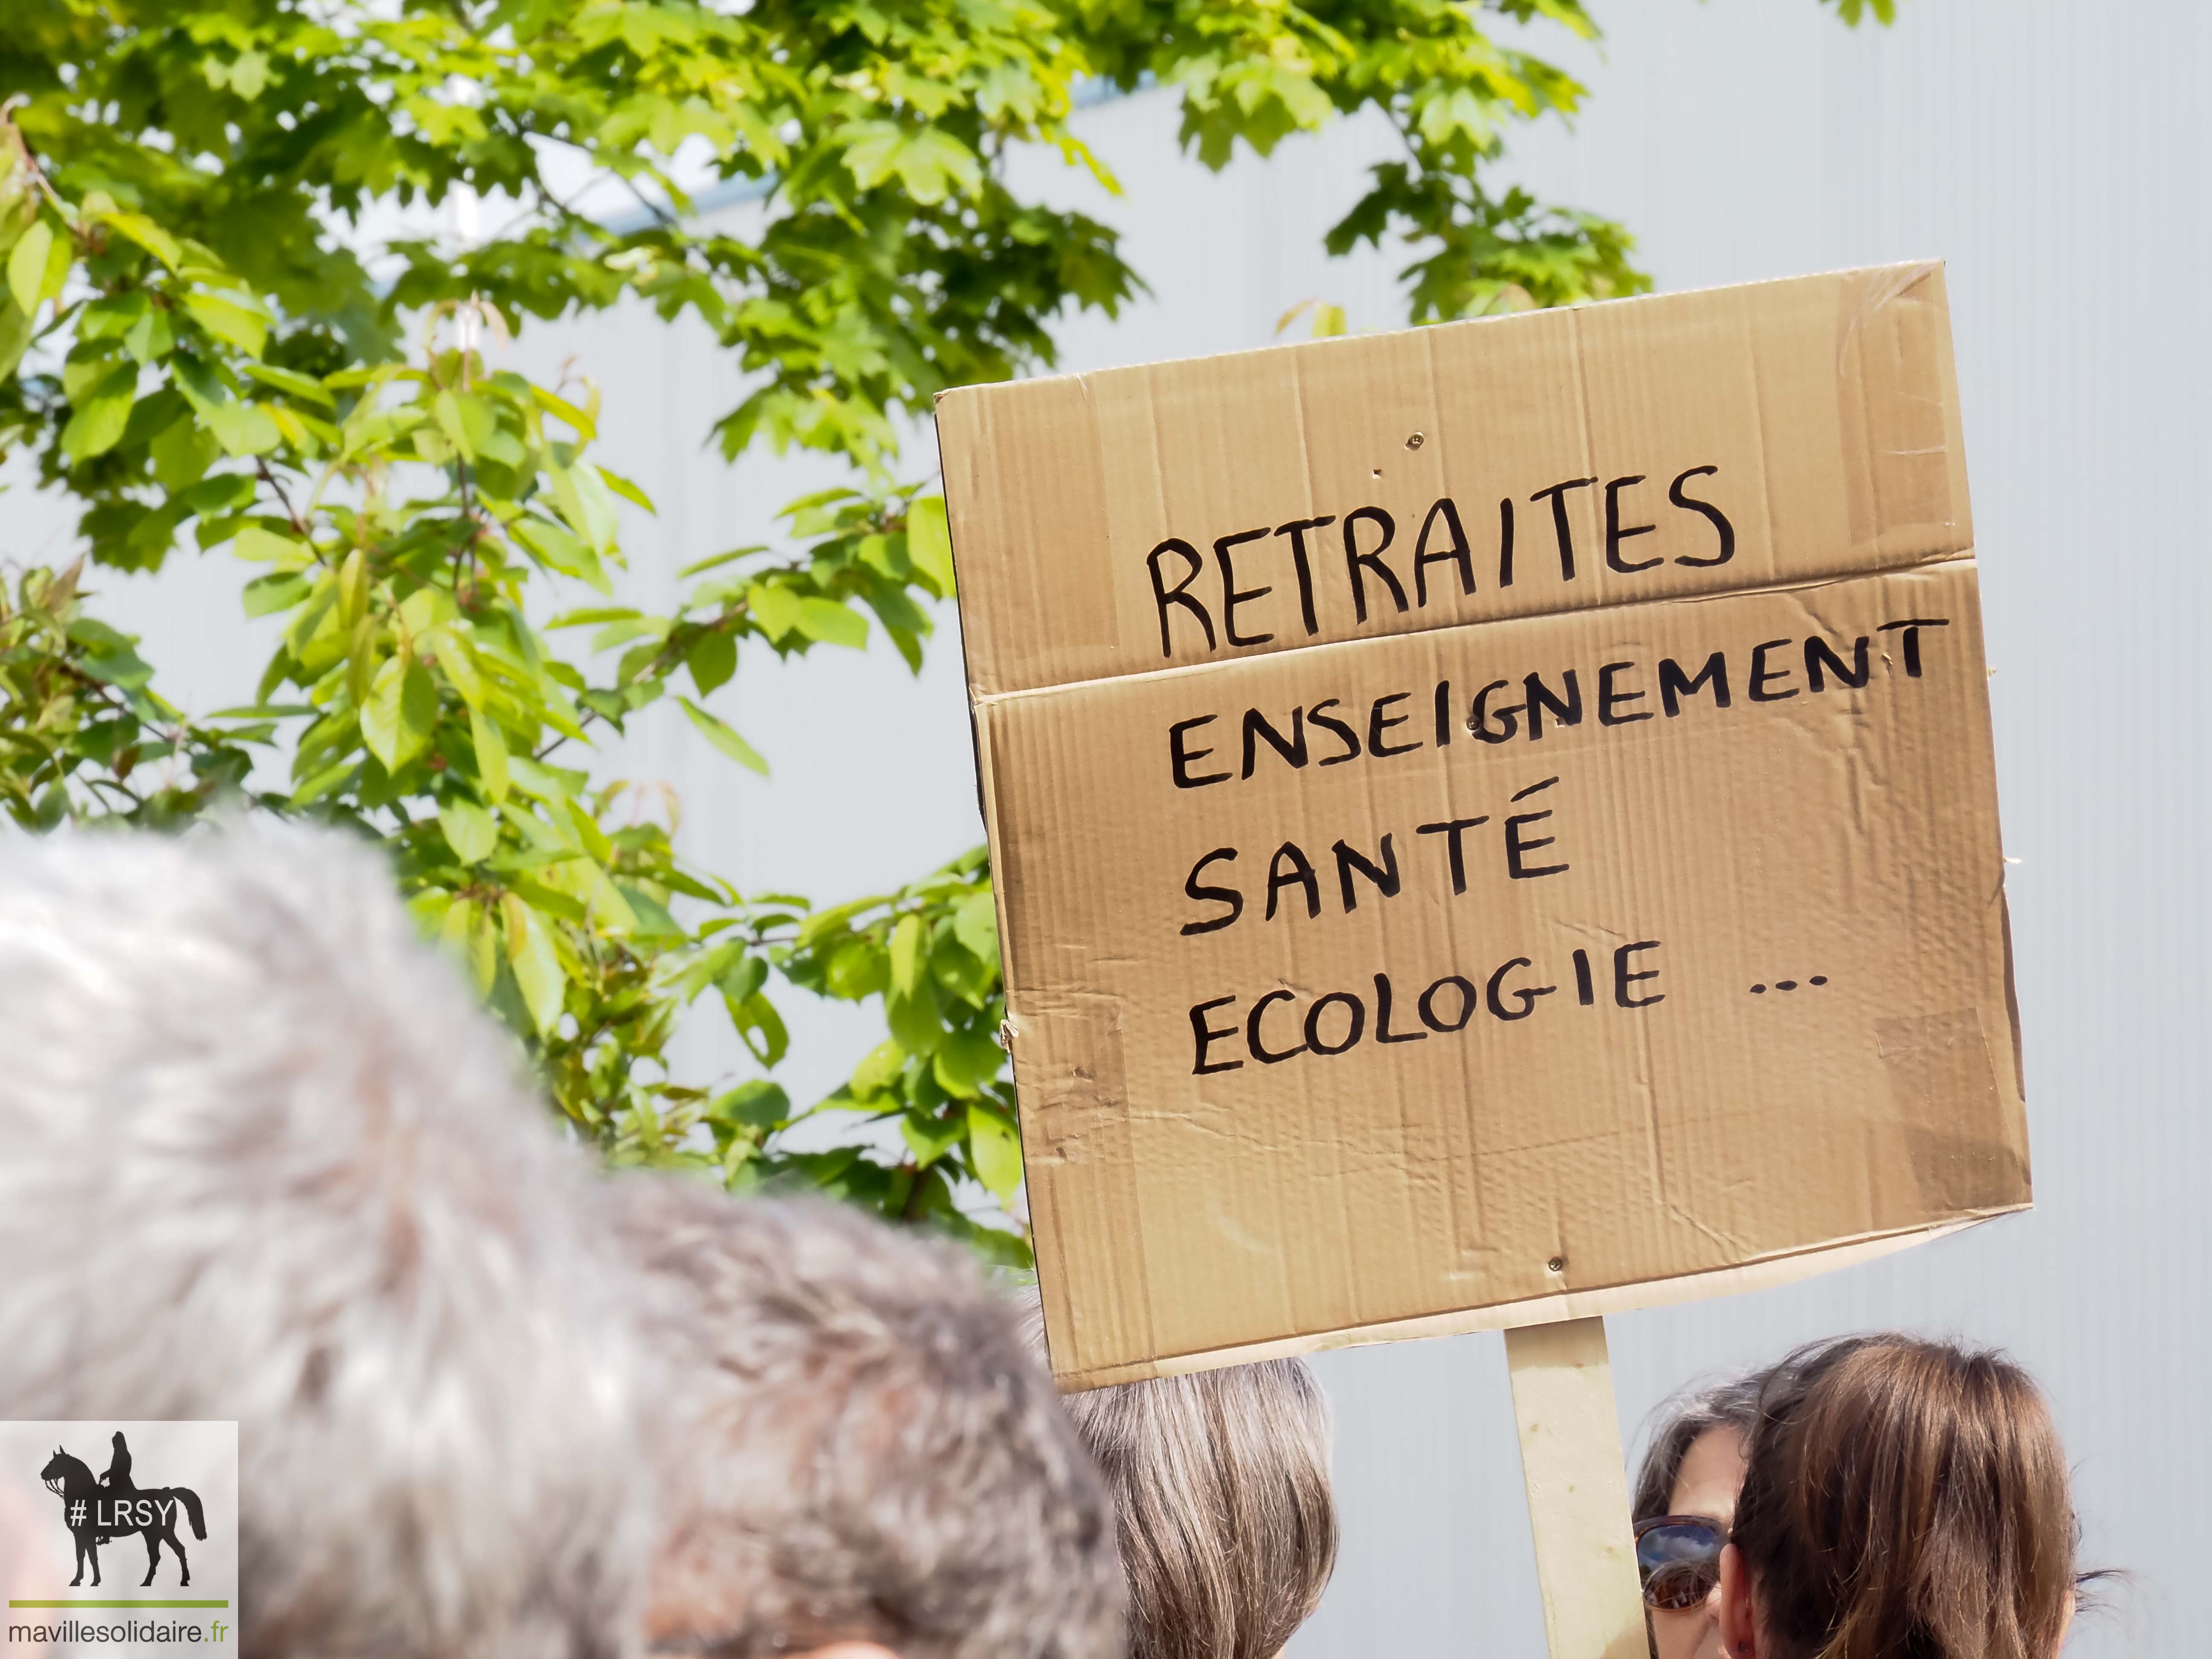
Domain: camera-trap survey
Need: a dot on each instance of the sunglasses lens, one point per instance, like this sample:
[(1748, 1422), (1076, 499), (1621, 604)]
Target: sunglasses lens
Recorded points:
[(1679, 1564), (1681, 1585)]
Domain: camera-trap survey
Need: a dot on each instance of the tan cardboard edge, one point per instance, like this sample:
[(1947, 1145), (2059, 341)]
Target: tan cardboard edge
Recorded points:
[(1918, 269), (1540, 1310), (978, 701)]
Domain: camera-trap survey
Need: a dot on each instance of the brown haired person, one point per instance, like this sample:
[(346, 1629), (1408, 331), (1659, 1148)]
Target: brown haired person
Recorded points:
[(1902, 1497), (1226, 1517), (1686, 1493)]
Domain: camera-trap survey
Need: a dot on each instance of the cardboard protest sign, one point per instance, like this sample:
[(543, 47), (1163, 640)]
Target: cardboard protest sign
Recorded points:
[(1492, 823)]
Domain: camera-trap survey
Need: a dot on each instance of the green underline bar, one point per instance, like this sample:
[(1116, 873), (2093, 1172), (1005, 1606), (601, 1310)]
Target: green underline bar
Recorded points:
[(119, 1604)]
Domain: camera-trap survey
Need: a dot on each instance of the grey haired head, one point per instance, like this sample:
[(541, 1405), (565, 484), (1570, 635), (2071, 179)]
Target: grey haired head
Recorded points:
[(859, 1446), (262, 1160)]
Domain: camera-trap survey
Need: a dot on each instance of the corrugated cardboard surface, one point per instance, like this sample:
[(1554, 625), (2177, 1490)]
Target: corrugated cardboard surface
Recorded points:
[(1699, 984)]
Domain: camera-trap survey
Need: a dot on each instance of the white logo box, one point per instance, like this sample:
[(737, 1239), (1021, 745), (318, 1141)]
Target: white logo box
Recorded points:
[(74, 1588)]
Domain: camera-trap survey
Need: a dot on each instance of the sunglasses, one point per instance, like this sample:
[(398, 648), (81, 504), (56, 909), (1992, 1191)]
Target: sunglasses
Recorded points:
[(1677, 1557)]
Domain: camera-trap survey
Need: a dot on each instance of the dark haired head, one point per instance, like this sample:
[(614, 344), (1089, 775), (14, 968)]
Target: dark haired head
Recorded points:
[(1906, 1499), (1730, 1404)]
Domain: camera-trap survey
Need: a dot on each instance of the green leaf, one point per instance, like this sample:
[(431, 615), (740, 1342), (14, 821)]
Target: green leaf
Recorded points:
[(930, 1137), (624, 488), (831, 623), (712, 660), (907, 955), (724, 738), (259, 546), (995, 1151), (242, 428), (929, 542), (402, 707), (470, 830), (760, 1027), (561, 551), (536, 963), (150, 338), (914, 1018), (975, 925), (267, 594), (26, 266), (148, 234), (491, 754), (15, 329), (967, 1060), (305, 387), (237, 325), (102, 414), (754, 1105), (556, 404)]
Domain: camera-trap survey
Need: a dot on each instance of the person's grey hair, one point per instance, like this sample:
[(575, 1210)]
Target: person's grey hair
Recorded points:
[(857, 1444), (1222, 1493), (1729, 1403), (262, 1160)]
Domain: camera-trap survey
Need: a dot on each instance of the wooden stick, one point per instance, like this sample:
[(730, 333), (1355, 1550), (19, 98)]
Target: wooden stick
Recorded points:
[(1578, 1491)]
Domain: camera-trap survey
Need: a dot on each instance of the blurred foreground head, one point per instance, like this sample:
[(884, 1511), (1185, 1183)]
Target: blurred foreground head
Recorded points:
[(1222, 1493), (859, 1452), (1903, 1498), (260, 1158)]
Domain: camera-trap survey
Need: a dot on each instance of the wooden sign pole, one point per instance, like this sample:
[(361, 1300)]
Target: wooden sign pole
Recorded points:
[(1577, 1490)]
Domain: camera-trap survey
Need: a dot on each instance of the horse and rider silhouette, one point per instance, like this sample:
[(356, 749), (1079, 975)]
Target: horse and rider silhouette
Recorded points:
[(97, 1511)]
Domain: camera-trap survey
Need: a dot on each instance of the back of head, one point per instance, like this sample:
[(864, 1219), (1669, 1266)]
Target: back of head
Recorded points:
[(1906, 1499), (857, 1446), (261, 1159), (1221, 1489)]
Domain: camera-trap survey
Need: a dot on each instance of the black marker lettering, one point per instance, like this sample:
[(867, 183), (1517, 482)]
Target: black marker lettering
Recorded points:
[(1231, 597), (1385, 877), (1299, 873), (1451, 830), (1674, 685), (1377, 726), (1560, 527), (1608, 699), (1164, 596), (1295, 530), (1477, 722), (1468, 1002), (1616, 533), (1622, 979), (1515, 847), (1682, 499), (1356, 562), (1228, 895), (1820, 662), (1382, 1031), (1912, 625), (1256, 729), (1569, 713), (1265, 1055), (1352, 1036), (1181, 759), (1528, 994), (1458, 553), (1206, 1036), (1585, 992), (1761, 675), (1345, 734)]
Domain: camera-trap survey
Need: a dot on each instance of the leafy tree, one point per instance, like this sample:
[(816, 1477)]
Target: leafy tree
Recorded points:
[(197, 342)]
